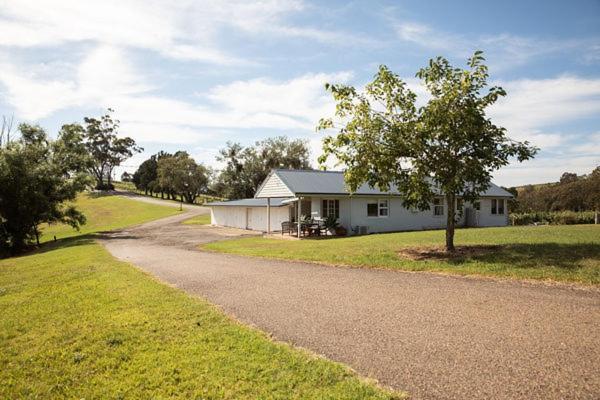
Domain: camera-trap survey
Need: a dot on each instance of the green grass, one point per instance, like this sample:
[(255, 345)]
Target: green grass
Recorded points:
[(77, 323), (203, 219), (107, 212), (563, 253)]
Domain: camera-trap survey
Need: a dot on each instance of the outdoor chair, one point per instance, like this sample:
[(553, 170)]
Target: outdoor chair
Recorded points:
[(286, 226)]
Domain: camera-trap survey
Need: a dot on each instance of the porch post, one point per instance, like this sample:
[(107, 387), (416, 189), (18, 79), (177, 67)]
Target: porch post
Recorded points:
[(268, 215), (298, 217)]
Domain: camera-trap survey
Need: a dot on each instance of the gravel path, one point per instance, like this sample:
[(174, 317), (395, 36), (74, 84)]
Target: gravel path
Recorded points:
[(435, 336)]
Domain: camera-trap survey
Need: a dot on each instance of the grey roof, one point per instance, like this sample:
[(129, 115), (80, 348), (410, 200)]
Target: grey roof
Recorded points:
[(275, 202), (332, 182)]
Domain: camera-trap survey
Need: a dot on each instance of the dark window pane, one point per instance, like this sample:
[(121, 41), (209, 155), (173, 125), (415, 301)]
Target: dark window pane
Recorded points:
[(372, 209)]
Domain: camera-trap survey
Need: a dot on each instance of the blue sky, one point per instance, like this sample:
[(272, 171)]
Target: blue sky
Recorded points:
[(193, 75)]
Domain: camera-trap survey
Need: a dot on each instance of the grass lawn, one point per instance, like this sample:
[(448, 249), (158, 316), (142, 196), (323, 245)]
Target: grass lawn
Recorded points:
[(564, 253), (203, 219), (107, 212), (77, 323)]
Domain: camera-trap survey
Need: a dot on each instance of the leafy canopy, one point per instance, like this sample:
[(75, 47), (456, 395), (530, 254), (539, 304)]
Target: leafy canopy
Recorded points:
[(449, 146), (180, 174), (37, 176), (246, 168)]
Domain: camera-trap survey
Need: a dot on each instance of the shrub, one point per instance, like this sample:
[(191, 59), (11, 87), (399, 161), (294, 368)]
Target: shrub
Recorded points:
[(552, 218)]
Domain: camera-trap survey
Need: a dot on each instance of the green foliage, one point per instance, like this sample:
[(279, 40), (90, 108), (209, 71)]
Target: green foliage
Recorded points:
[(562, 253), (331, 222), (448, 146), (37, 177), (552, 218), (180, 174), (574, 193), (246, 168)]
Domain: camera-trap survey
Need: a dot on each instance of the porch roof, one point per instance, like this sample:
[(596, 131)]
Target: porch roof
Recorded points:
[(253, 202)]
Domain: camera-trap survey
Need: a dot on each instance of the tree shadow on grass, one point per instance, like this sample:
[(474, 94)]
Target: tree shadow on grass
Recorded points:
[(560, 255)]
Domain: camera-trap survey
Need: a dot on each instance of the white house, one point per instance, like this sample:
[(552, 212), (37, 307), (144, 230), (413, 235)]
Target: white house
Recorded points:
[(368, 210)]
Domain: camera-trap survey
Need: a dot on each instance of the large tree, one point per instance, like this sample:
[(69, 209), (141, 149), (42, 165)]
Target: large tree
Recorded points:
[(107, 150), (246, 168), (146, 176), (182, 175), (37, 177), (448, 147)]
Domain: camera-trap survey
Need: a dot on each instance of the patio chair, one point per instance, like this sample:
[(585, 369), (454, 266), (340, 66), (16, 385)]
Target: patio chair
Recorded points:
[(286, 226)]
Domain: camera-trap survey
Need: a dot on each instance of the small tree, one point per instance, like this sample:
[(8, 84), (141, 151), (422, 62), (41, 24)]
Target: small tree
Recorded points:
[(36, 177), (106, 149), (447, 148)]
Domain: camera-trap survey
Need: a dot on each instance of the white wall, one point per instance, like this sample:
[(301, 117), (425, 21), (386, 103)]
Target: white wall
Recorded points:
[(486, 218), (254, 218), (353, 212)]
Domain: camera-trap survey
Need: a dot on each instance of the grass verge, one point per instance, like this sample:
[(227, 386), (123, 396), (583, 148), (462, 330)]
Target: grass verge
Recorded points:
[(203, 219), (562, 253)]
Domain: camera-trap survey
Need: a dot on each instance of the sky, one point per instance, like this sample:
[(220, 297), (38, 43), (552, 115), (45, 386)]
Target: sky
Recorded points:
[(194, 74)]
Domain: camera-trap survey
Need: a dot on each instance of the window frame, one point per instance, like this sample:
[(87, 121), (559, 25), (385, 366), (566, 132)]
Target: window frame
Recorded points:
[(441, 206), (326, 207), (378, 203), (501, 206)]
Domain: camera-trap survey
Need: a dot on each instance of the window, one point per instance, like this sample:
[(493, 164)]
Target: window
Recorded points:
[(477, 205), (378, 208), (372, 208), (459, 205), (438, 207), (331, 207), (498, 206), (383, 208)]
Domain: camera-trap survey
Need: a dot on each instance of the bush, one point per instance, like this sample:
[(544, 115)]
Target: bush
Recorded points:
[(553, 218)]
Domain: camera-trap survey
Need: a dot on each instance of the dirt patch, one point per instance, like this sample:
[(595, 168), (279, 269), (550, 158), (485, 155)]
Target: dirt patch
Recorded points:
[(439, 253)]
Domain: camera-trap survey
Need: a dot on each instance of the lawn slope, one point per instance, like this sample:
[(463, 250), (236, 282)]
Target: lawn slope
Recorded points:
[(108, 212), (563, 253), (77, 323)]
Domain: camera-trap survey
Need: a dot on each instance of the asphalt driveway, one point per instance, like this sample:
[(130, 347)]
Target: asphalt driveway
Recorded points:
[(435, 336)]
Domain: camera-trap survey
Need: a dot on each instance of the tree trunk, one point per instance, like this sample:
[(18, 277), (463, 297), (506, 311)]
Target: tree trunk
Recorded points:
[(450, 201), (596, 218)]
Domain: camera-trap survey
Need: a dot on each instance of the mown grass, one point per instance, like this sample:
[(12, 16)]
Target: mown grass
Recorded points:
[(76, 323), (562, 253), (108, 212), (203, 219)]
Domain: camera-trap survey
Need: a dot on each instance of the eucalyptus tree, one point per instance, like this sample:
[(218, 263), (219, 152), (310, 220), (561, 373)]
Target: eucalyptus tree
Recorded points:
[(106, 149), (447, 147)]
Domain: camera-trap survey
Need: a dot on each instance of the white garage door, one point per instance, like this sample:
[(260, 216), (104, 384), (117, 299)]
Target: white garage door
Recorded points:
[(254, 218)]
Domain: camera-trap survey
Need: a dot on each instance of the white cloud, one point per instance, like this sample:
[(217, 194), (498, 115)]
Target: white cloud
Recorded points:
[(102, 75), (502, 50), (186, 29), (105, 77), (531, 107)]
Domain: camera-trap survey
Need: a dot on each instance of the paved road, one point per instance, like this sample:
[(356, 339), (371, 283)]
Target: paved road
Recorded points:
[(435, 336)]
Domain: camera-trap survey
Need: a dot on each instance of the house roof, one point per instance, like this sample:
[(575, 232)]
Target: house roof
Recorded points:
[(275, 202), (332, 183)]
